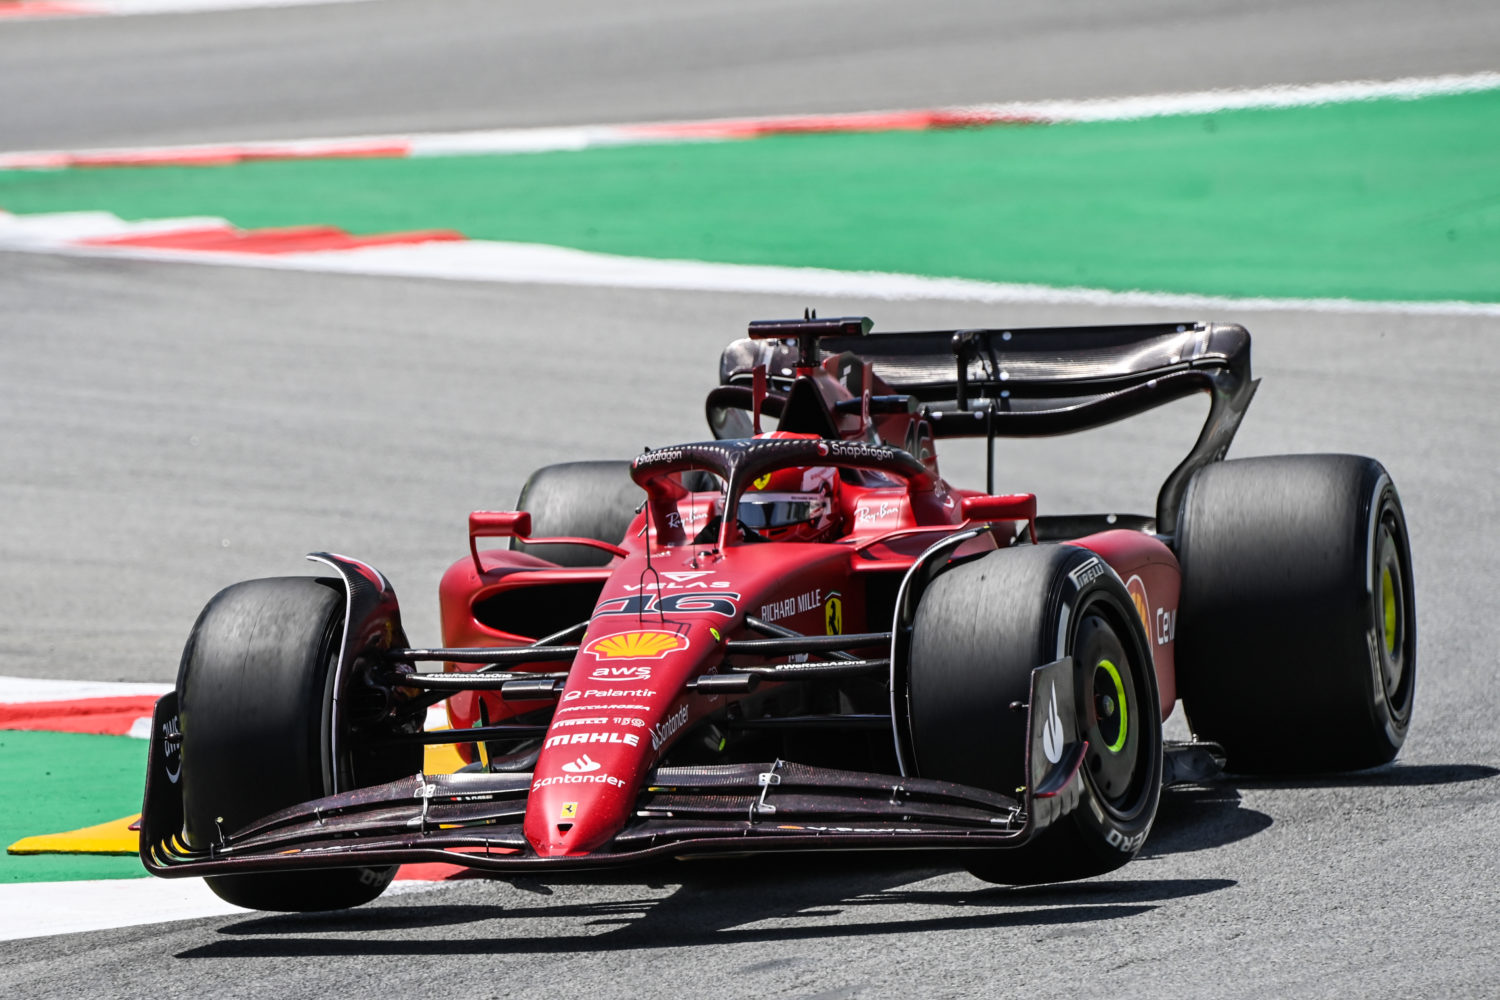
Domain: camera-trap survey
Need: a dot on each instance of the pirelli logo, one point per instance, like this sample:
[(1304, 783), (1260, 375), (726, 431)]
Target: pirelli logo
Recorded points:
[(1087, 573)]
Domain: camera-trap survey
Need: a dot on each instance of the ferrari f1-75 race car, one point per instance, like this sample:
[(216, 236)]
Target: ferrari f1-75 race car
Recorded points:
[(805, 639)]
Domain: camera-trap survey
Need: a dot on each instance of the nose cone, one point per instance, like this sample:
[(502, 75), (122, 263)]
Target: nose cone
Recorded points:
[(580, 806), (623, 702)]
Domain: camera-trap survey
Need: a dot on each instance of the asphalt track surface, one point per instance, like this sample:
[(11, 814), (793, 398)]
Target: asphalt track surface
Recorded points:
[(169, 429), (173, 428), (409, 65)]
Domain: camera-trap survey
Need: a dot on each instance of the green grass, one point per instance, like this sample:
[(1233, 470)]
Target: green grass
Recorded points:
[(1375, 200), (55, 782)]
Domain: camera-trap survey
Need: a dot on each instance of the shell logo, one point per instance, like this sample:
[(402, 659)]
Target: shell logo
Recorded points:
[(1137, 590), (638, 645)]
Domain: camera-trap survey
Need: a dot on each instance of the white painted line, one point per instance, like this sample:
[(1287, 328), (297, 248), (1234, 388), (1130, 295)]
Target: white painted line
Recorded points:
[(532, 263), (573, 138), (524, 263), (21, 690), (51, 228), (1210, 101), (127, 7), (123, 8), (40, 909)]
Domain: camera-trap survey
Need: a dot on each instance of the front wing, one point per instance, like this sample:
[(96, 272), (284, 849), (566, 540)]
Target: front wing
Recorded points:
[(475, 820)]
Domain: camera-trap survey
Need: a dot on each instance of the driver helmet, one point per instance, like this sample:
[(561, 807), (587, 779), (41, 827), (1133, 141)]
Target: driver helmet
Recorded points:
[(797, 504)]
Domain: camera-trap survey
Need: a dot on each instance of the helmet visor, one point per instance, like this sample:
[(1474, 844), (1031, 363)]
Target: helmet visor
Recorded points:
[(778, 510)]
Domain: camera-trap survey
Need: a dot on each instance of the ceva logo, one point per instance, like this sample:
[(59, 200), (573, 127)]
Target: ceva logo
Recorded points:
[(582, 765)]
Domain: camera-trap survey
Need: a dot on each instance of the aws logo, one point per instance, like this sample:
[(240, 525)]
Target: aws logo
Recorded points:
[(621, 675)]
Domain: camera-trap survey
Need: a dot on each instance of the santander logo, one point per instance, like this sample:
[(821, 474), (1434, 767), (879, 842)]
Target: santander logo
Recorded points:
[(582, 765)]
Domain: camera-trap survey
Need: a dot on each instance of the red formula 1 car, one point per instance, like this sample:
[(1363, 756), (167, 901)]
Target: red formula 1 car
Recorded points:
[(806, 639)]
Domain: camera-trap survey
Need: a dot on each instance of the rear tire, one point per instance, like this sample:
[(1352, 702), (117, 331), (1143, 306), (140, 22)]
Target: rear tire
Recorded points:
[(1297, 641), (255, 696), (978, 633), (579, 500)]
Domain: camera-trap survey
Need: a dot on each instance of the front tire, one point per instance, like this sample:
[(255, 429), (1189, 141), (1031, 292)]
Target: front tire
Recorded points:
[(1297, 642), (255, 697), (978, 633)]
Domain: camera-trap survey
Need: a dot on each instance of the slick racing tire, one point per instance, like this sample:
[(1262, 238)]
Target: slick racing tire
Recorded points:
[(579, 500), (1297, 635), (980, 630), (255, 699)]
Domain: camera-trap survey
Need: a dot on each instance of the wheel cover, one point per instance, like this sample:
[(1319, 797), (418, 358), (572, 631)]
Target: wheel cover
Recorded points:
[(1110, 713), (1113, 709), (1391, 609)]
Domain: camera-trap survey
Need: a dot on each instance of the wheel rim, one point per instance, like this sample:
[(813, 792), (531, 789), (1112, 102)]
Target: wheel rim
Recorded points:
[(1111, 706), (1391, 609), (1110, 714)]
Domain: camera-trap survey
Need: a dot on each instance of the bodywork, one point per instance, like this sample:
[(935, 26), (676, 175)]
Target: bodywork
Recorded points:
[(612, 713)]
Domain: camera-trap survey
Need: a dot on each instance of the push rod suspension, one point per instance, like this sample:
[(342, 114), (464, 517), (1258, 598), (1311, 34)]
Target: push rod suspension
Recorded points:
[(496, 654), (478, 733), (806, 643)]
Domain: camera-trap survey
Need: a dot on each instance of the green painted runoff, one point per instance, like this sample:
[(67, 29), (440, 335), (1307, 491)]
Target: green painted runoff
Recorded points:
[(1379, 200), (55, 782)]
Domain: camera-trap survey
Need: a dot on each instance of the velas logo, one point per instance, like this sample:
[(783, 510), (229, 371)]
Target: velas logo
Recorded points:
[(1136, 587), (637, 645)]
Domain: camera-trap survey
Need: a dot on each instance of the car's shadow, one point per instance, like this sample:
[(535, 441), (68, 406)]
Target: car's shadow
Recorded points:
[(722, 902), (1387, 776), (1199, 817), (786, 898)]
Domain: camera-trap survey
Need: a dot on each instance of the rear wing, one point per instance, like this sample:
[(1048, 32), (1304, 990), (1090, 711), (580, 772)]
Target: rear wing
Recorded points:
[(1031, 382)]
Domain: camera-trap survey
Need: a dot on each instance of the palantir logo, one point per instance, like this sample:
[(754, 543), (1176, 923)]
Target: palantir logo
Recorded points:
[(1052, 731), (582, 765)]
